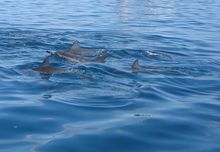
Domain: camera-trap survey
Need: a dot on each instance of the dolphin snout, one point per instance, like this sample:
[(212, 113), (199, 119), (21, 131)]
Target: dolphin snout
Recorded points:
[(51, 53)]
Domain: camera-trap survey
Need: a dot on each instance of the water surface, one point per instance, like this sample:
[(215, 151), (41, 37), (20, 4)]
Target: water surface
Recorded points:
[(106, 106)]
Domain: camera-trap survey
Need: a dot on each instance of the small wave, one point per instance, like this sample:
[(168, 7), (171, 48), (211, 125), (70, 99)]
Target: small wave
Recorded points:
[(157, 55), (91, 95)]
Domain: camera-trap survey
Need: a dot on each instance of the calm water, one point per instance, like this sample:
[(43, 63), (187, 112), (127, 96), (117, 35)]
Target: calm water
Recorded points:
[(106, 107)]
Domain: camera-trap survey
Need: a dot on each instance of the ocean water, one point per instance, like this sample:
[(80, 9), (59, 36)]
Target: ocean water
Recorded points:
[(108, 106)]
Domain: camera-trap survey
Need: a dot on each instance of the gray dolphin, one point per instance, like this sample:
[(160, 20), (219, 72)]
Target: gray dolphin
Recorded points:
[(68, 55), (136, 67), (46, 68), (76, 49)]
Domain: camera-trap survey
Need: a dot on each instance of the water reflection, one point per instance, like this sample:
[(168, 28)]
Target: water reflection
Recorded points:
[(144, 9)]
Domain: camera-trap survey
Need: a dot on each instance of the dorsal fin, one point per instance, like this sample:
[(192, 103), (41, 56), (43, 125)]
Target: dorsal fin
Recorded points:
[(75, 45), (136, 65), (101, 56), (46, 61)]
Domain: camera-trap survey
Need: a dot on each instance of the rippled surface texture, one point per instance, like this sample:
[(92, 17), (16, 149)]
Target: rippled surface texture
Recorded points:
[(106, 106)]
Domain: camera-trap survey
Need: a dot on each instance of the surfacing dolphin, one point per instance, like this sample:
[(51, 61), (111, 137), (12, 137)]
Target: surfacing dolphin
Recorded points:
[(46, 68), (79, 50), (100, 58), (136, 67)]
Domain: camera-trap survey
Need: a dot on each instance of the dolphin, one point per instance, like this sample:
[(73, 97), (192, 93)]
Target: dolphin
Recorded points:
[(136, 67), (46, 68), (76, 49), (100, 58)]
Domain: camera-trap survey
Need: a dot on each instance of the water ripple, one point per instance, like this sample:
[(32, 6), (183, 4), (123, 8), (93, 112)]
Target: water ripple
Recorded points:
[(110, 106)]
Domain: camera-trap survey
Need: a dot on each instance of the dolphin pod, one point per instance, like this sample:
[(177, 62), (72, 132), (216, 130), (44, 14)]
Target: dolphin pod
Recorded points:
[(75, 54)]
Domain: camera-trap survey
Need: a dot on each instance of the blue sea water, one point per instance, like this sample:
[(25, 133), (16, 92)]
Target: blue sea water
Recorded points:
[(105, 106)]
